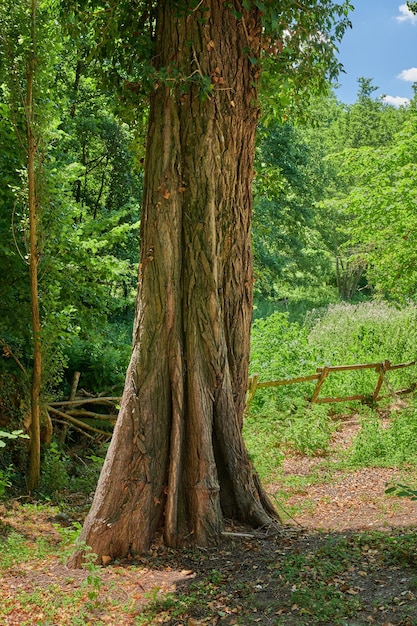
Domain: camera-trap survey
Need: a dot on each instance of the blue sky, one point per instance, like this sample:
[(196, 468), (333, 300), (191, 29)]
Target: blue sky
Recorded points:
[(382, 45)]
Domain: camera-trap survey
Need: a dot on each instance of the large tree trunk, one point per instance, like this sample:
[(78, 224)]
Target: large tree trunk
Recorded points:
[(177, 462)]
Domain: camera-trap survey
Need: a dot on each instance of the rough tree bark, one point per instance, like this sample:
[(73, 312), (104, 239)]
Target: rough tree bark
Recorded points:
[(177, 462)]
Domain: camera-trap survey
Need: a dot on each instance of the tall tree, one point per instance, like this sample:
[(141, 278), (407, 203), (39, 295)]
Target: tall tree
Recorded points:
[(177, 461), (34, 256), (20, 26), (382, 211), (368, 124)]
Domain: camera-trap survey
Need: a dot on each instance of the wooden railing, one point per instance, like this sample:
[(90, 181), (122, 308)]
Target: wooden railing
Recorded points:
[(323, 372)]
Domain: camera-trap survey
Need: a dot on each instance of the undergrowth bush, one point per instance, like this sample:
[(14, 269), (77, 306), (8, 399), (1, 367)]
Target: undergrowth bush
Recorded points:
[(63, 470), (55, 471), (379, 445), (308, 430), (279, 349), (263, 438), (102, 358)]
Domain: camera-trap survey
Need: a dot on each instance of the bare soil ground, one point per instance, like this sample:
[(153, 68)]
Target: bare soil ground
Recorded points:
[(353, 500), (346, 555)]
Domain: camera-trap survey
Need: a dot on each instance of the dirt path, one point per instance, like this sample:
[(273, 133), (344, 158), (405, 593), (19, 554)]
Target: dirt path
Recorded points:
[(353, 500)]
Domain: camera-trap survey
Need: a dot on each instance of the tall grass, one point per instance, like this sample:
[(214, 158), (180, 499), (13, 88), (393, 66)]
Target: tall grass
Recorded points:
[(364, 333)]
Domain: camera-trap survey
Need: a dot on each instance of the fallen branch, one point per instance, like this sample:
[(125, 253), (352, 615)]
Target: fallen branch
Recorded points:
[(89, 414), (55, 420), (79, 423), (110, 401)]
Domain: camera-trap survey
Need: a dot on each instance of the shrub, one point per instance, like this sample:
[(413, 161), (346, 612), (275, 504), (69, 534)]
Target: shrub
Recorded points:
[(279, 350), (7, 472), (393, 445), (102, 358)]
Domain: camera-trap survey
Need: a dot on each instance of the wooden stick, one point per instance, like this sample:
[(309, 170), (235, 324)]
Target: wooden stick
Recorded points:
[(84, 434), (77, 401), (253, 383), (74, 386), (322, 373), (323, 376), (339, 399), (379, 383), (89, 414), (288, 381), (396, 367), (342, 368), (78, 423)]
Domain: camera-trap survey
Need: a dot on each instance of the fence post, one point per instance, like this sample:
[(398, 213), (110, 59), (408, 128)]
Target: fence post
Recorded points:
[(381, 371), (386, 367), (324, 371)]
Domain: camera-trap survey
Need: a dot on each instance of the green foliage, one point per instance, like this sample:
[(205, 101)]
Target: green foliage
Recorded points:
[(295, 65), (304, 209), (62, 470), (15, 434), (14, 550), (263, 436), (89, 203), (5, 480), (385, 446), (93, 581), (302, 429), (342, 334), (367, 124), (102, 357), (372, 199), (55, 471), (308, 430), (6, 473), (279, 350), (402, 491), (288, 181), (85, 471)]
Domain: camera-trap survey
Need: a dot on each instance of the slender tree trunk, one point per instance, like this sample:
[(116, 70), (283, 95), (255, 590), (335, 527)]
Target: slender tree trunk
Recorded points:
[(34, 457), (177, 462)]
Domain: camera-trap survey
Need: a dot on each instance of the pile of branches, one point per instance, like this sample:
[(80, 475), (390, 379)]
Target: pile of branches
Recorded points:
[(93, 415)]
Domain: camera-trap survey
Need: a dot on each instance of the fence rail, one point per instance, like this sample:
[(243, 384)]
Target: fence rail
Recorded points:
[(322, 373)]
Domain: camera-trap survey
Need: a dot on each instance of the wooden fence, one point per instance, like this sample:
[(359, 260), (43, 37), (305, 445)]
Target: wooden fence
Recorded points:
[(381, 370)]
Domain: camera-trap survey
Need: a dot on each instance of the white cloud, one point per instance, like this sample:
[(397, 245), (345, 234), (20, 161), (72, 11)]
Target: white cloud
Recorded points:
[(396, 101), (409, 75), (406, 15)]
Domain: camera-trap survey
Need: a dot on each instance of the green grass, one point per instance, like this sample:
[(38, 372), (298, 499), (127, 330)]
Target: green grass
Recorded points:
[(392, 445)]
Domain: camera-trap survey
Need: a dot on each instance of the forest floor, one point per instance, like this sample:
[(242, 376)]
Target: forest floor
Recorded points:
[(346, 554)]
